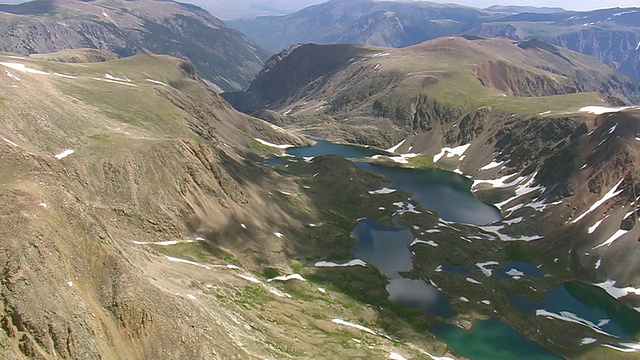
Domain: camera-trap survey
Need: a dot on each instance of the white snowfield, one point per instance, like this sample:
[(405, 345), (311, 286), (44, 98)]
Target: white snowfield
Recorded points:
[(572, 318), (428, 242), (611, 239), (595, 226), (599, 110), (64, 154), (287, 277), (492, 165), (451, 152), (10, 142), (394, 148), (356, 326), (484, 267), (354, 262), (114, 81), (184, 261), (609, 286), (157, 82), (383, 191), (22, 68), (249, 278), (264, 142), (609, 195)]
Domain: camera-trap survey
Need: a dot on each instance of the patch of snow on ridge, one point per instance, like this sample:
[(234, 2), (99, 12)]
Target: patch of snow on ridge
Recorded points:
[(430, 242), (483, 267), (609, 286), (263, 142), (356, 326), (10, 142), (572, 318), (610, 194), (114, 81), (287, 277), (593, 228), (354, 262), (156, 82), (492, 165), (22, 68), (9, 74), (64, 75), (624, 347), (249, 278), (587, 341), (382, 191), (473, 281), (111, 77), (394, 148), (501, 182), (64, 154), (394, 356), (599, 110), (451, 152), (612, 238)]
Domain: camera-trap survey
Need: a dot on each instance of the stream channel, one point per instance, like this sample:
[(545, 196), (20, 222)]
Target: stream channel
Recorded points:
[(449, 194)]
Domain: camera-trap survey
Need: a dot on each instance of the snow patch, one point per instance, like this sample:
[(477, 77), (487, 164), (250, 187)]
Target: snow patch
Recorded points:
[(492, 165), (287, 277), (515, 273), (609, 286), (191, 297), (394, 356), (599, 110), (610, 194), (69, 283), (405, 207), (382, 191), (278, 293), (429, 242), (249, 278), (114, 81), (501, 182), (356, 326), (184, 261), (156, 82), (394, 148), (473, 281), (64, 154), (463, 299), (484, 269), (486, 302), (111, 77), (10, 142), (278, 234), (451, 152), (263, 142), (354, 262), (9, 74), (611, 239), (22, 68), (598, 264), (572, 318), (593, 227), (587, 341), (64, 75)]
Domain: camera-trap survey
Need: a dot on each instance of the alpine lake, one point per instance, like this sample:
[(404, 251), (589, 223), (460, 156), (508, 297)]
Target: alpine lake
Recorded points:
[(449, 194)]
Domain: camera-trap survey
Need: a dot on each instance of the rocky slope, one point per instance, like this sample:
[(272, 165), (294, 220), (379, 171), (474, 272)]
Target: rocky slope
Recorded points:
[(378, 23), (137, 220), (223, 56)]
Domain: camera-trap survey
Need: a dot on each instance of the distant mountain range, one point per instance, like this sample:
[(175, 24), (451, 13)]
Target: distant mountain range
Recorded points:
[(612, 35), (222, 56)]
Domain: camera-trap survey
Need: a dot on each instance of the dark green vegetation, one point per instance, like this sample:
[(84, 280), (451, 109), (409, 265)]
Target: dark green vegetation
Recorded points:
[(222, 56)]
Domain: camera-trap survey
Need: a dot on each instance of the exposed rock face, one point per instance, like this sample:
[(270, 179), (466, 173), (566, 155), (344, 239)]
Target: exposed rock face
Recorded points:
[(223, 56)]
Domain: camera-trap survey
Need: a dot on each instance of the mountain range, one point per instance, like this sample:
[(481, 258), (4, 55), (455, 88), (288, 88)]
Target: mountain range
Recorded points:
[(223, 56), (611, 35)]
